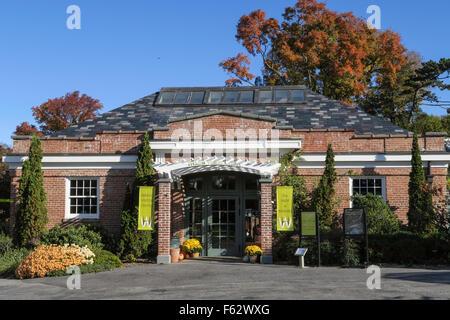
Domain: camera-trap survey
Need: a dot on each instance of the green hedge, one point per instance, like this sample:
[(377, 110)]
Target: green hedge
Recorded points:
[(6, 243), (103, 261), (399, 248), (4, 226), (11, 260), (330, 248), (80, 235), (409, 248), (108, 239)]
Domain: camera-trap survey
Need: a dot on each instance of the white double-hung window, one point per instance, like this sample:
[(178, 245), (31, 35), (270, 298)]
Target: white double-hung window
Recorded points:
[(82, 200), (366, 185)]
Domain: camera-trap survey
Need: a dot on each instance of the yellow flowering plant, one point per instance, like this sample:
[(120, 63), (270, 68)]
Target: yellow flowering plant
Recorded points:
[(253, 251), (84, 251), (47, 258), (191, 246)]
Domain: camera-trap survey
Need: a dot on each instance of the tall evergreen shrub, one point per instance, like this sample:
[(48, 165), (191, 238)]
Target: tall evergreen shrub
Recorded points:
[(421, 211), (135, 243), (323, 199), (31, 216)]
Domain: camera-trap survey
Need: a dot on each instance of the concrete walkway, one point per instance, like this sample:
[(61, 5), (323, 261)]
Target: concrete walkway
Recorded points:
[(231, 279)]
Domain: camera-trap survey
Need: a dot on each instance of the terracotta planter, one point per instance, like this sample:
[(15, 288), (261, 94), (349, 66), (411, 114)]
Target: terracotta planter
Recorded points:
[(181, 257), (195, 254), (174, 255), (253, 259)]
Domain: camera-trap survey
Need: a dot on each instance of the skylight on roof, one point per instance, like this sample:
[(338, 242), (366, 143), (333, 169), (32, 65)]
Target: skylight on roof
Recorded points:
[(181, 97), (166, 97), (197, 97), (215, 97), (246, 96), (263, 95), (297, 96), (230, 97), (281, 96)]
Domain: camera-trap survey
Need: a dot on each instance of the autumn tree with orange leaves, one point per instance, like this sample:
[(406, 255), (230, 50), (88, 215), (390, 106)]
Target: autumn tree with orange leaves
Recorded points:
[(61, 113), (335, 54), (26, 129)]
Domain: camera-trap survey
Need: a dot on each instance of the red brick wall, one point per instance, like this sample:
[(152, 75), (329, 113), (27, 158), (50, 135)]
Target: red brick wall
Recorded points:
[(112, 193), (312, 140), (266, 218), (113, 182), (177, 222), (397, 180), (164, 217), (220, 122)]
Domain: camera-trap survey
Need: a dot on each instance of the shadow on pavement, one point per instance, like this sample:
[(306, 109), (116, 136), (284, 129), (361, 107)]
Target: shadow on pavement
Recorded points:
[(214, 260), (428, 277)]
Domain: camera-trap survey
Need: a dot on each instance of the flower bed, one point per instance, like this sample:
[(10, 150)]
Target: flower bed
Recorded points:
[(48, 258)]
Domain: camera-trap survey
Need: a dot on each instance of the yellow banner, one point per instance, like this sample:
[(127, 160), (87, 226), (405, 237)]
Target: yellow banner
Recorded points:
[(285, 221), (146, 208)]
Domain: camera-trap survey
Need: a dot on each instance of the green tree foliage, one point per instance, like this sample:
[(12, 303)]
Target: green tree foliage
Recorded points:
[(427, 123), (421, 210), (31, 216), (431, 75), (380, 218), (399, 101), (337, 55), (288, 177), (5, 187), (80, 235), (446, 124), (323, 198), (391, 100), (135, 243)]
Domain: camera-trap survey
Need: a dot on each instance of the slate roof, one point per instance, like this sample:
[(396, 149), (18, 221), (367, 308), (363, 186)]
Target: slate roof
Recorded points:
[(316, 112)]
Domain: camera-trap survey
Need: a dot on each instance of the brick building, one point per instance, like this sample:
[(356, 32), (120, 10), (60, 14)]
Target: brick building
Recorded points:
[(217, 156)]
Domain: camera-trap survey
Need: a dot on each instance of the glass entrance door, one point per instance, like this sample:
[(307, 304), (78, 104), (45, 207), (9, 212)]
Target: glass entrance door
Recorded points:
[(222, 211), (223, 227)]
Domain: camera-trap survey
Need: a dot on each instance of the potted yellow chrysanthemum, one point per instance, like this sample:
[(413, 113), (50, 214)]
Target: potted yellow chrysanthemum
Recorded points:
[(253, 252), (193, 247)]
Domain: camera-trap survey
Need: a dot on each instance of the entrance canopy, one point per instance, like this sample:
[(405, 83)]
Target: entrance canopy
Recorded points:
[(177, 170)]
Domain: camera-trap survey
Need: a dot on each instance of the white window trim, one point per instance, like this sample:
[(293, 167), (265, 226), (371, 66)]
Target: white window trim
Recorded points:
[(383, 186), (69, 215)]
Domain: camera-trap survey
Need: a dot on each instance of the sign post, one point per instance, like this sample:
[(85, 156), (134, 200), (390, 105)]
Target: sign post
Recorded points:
[(146, 208), (355, 225), (309, 223), (301, 254)]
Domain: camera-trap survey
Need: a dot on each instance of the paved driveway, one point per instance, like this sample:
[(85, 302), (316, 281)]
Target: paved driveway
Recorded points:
[(229, 279)]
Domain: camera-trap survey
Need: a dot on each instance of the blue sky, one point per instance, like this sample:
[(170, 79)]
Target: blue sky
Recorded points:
[(128, 49)]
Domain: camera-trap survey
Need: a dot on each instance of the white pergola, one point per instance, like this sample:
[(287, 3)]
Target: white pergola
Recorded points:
[(178, 169)]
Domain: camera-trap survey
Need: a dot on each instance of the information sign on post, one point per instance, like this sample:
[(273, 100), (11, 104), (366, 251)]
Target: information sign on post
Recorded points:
[(355, 225), (309, 227)]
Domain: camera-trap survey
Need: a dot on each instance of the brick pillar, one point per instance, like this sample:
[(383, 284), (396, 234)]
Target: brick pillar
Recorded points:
[(164, 211), (266, 220)]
